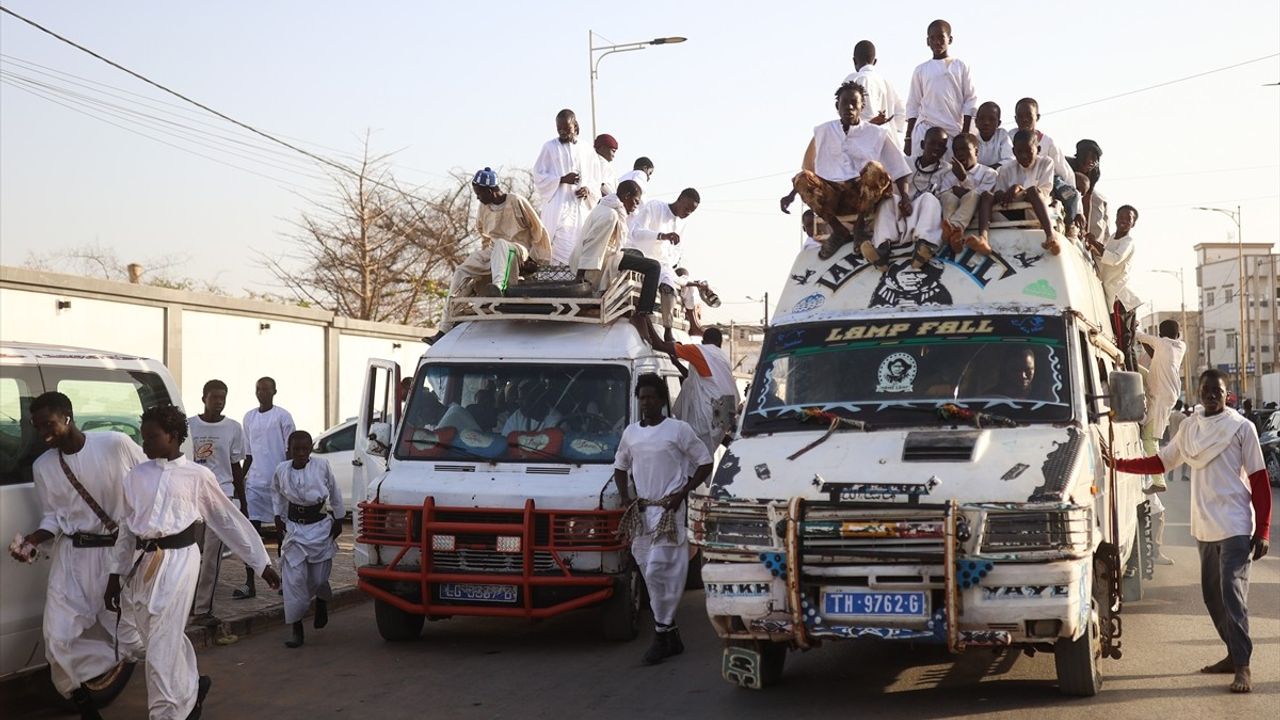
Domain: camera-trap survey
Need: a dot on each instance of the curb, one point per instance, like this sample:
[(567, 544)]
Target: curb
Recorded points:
[(271, 618)]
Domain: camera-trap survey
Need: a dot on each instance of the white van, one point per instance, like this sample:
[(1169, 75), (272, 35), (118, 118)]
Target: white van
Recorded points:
[(109, 391), (495, 497), (921, 459)]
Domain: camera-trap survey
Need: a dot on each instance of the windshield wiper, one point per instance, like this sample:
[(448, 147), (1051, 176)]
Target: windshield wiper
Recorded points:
[(951, 411), (836, 422)]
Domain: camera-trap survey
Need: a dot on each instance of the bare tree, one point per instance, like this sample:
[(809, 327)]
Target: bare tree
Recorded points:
[(96, 260), (375, 250)]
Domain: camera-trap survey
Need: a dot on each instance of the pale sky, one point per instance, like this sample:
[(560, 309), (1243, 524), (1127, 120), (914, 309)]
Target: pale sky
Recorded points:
[(729, 112)]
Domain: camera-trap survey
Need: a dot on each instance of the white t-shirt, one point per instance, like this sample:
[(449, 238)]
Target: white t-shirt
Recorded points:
[(840, 155), (659, 456), (881, 97), (266, 439), (997, 151), (217, 446), (1113, 269), (1039, 175), (1164, 378), (979, 179), (1220, 496), (941, 95)]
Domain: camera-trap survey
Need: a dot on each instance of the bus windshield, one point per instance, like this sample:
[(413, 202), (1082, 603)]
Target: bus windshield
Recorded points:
[(494, 412), (903, 371)]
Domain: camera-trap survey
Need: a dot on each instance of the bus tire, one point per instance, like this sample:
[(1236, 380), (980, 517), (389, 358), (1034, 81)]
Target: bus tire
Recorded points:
[(620, 614), (1077, 661), (396, 625)]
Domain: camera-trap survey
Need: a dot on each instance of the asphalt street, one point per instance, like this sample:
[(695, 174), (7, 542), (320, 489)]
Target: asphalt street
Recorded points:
[(470, 668)]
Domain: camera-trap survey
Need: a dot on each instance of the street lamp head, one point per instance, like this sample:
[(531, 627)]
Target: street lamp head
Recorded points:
[(667, 40)]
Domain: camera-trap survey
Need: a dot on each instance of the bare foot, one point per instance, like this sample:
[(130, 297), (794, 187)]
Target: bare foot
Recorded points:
[(1243, 682), (978, 244), (1221, 667), (873, 256), (1051, 244)]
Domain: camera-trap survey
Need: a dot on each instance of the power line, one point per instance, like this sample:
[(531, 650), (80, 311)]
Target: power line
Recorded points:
[(1165, 83)]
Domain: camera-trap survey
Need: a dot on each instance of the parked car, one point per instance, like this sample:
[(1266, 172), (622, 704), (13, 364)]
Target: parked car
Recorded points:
[(1270, 439), (337, 445), (109, 391)]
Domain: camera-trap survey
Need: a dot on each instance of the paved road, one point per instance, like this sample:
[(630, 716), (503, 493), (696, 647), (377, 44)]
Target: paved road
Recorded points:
[(488, 669)]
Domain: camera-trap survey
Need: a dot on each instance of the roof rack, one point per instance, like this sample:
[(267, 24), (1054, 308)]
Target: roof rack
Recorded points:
[(1056, 214), (558, 299)]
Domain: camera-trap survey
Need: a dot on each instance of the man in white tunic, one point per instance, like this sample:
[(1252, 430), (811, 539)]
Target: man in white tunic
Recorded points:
[(1163, 382), (641, 173), (709, 397), (266, 434), (941, 93), (884, 106), (78, 629), (655, 229), (601, 248), (217, 442), (850, 169), (559, 174), (1230, 513), (602, 173), (301, 488), (511, 234), (157, 556), (657, 453), (1114, 260)]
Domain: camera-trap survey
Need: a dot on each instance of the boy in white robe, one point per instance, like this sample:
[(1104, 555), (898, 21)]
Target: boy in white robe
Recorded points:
[(966, 181), (1230, 513), (157, 555), (217, 442), (941, 93), (884, 106), (1027, 115), (559, 174), (851, 168), (655, 230), (995, 145), (266, 432), (1163, 384), (709, 396), (1028, 179), (600, 251), (78, 629), (301, 487), (657, 453), (1114, 262), (921, 233)]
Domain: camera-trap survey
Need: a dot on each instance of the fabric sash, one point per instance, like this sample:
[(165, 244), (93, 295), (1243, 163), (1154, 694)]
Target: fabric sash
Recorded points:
[(84, 495), (1204, 438)]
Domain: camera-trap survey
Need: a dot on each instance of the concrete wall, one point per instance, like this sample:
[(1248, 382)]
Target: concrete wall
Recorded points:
[(316, 358)]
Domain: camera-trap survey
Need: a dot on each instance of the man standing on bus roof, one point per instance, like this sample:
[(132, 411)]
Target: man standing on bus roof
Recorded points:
[(79, 481), (657, 452), (1230, 513)]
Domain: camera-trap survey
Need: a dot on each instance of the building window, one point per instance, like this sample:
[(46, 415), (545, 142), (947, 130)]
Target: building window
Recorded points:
[(1211, 341), (1231, 339), (1208, 298), (1228, 295)]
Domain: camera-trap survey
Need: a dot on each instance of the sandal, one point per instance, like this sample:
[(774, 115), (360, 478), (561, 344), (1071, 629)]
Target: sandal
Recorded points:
[(244, 592), (922, 254), (873, 256)]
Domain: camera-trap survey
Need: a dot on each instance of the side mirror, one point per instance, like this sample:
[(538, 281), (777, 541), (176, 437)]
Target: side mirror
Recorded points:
[(380, 439), (1128, 397)]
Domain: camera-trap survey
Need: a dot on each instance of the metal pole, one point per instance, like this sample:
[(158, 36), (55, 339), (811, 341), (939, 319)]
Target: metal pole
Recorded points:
[(1242, 375), (1186, 359), (733, 344), (591, 65), (766, 311)]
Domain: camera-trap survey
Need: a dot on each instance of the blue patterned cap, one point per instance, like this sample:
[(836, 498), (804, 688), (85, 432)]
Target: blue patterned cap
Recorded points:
[(486, 178)]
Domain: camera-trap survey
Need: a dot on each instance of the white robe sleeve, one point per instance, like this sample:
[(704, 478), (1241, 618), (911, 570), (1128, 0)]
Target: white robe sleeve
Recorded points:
[(546, 173), (48, 515), (540, 241), (287, 427), (970, 102), (126, 541), (248, 436), (1118, 252), (335, 498), (622, 458), (895, 163), (237, 445), (232, 528), (279, 503), (639, 225), (694, 449), (914, 92)]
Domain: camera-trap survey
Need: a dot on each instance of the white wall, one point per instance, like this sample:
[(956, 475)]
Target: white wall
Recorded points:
[(97, 324), (354, 352), (234, 350)]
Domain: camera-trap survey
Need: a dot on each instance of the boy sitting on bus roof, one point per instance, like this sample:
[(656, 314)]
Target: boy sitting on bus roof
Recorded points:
[(923, 230), (966, 181), (1028, 179)]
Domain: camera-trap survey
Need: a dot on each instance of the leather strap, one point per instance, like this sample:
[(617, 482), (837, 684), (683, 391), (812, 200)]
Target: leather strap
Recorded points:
[(84, 495)]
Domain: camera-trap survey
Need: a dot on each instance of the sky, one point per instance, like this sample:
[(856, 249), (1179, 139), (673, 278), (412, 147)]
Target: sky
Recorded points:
[(457, 85)]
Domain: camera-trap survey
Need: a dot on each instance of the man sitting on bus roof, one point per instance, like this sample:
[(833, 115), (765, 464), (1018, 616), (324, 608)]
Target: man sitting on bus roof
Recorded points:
[(598, 252)]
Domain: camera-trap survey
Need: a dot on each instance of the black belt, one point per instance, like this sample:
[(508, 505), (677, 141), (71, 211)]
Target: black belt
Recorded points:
[(91, 540), (307, 514), (169, 542)]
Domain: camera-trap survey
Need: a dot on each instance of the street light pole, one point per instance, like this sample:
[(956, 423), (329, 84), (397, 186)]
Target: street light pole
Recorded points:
[(764, 301), (1242, 378), (593, 62)]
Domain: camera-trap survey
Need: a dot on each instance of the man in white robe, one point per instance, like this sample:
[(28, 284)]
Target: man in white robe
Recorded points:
[(1114, 262), (157, 562), (301, 487), (78, 629), (655, 230), (657, 453), (641, 173), (884, 106), (511, 234), (603, 179), (266, 434), (941, 93), (709, 396), (600, 251), (1163, 383), (559, 174)]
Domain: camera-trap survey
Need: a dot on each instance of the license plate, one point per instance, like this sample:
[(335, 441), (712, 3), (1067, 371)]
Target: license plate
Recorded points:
[(893, 604), (478, 593)]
